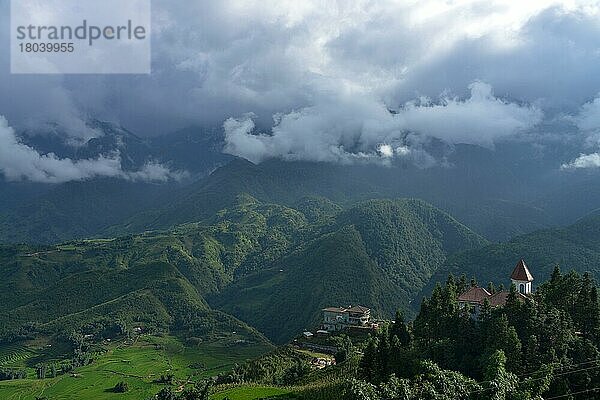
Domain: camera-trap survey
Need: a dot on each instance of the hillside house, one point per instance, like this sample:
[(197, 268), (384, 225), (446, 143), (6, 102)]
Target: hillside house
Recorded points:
[(339, 318), (475, 297)]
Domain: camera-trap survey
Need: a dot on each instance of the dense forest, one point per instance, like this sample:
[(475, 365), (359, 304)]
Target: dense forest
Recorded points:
[(546, 345), (543, 347)]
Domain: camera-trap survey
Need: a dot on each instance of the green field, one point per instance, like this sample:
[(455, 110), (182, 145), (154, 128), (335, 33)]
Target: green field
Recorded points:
[(251, 392), (138, 364)]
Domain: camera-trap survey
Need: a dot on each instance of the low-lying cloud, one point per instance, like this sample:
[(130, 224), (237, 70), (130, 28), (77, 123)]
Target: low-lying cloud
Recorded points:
[(588, 118), (21, 162), (584, 161), (588, 122), (358, 126)]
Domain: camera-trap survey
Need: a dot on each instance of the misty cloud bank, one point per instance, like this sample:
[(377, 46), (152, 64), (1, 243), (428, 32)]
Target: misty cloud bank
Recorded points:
[(584, 161), (323, 75), (357, 127), (21, 162), (588, 121)]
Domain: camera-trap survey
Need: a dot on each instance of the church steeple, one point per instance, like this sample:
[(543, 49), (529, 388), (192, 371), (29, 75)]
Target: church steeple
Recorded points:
[(522, 278)]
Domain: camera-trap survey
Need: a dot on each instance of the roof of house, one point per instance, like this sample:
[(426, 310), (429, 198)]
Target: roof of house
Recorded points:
[(358, 309), (335, 309), (499, 298), (478, 295), (352, 309), (474, 295), (521, 272)]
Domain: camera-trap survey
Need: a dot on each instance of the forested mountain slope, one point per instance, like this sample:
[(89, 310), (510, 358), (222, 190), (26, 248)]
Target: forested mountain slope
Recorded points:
[(264, 263), (378, 253), (575, 247), (499, 193), (475, 195), (159, 278)]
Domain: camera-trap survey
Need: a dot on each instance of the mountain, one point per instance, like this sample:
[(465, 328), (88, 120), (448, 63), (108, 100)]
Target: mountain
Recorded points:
[(575, 247), (78, 210), (197, 150), (512, 189), (287, 182), (52, 213), (378, 253), (159, 278), (499, 193)]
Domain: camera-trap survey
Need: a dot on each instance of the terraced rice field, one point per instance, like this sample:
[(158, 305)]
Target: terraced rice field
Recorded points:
[(15, 355), (138, 364), (252, 392)]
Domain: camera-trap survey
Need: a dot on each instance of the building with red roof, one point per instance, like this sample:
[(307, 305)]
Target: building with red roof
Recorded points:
[(522, 278), (475, 296)]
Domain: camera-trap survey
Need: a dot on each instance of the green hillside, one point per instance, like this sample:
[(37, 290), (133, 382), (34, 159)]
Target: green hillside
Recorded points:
[(477, 186), (112, 289), (77, 210), (158, 277), (249, 273), (575, 247), (379, 253), (499, 194), (140, 363), (474, 200), (197, 299)]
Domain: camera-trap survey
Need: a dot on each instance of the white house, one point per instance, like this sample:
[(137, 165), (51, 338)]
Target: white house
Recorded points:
[(338, 318)]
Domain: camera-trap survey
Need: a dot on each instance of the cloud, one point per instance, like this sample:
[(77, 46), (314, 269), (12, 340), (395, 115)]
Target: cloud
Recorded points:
[(153, 171), (588, 118), (584, 161), (385, 151), (587, 121), (214, 60), (357, 126), (480, 119), (21, 162), (313, 61)]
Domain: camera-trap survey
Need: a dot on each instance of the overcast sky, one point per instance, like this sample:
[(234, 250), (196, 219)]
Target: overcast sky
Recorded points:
[(319, 77)]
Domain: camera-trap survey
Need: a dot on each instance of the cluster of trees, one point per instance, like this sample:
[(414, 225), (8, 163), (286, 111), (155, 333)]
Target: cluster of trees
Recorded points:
[(167, 379), (121, 387), (43, 371), (284, 366), (52, 370), (200, 391), (82, 354), (7, 374), (546, 344), (432, 382)]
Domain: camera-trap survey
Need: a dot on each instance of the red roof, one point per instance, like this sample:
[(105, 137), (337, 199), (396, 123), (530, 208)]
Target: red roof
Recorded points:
[(499, 298), (474, 295), (521, 272), (478, 295)]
